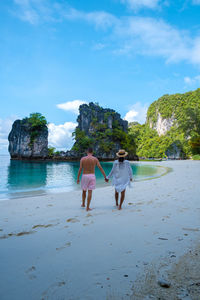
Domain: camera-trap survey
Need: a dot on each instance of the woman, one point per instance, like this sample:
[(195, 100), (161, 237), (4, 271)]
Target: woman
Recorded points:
[(122, 175)]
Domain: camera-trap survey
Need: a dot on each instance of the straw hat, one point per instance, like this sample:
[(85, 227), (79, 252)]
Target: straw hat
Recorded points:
[(122, 153)]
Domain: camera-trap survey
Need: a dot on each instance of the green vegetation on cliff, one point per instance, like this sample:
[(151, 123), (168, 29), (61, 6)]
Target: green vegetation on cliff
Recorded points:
[(37, 122), (184, 110), (174, 106), (102, 129)]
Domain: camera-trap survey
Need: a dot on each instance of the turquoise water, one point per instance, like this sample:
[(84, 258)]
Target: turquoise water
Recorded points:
[(20, 178)]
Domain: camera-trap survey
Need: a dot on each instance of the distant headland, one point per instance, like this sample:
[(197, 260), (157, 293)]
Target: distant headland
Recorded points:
[(172, 130)]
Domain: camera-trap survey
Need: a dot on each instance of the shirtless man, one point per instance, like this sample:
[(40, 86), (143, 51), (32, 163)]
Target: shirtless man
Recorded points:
[(88, 180)]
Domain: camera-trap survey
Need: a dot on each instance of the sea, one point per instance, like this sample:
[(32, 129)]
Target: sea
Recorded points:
[(31, 178)]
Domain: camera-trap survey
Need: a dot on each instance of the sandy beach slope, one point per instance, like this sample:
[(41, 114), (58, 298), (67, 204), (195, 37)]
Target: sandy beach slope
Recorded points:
[(50, 248)]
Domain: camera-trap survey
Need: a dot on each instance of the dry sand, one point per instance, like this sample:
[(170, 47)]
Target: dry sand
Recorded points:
[(50, 248)]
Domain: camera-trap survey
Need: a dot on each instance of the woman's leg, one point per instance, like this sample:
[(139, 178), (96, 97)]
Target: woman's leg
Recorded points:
[(116, 197), (122, 199)]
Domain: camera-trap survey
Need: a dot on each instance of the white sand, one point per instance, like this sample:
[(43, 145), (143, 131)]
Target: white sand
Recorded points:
[(50, 248)]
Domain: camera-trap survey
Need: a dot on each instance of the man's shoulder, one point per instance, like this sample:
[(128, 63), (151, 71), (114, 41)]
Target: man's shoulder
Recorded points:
[(89, 157), (84, 157)]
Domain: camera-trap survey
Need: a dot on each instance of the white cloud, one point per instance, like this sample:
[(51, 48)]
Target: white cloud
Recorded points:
[(148, 36), (35, 11), (137, 4), (137, 113), (129, 35), (5, 128), (72, 106), (28, 10), (60, 136), (130, 115), (192, 80)]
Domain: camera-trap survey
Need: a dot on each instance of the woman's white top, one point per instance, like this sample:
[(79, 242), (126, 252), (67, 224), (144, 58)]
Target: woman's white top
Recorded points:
[(122, 174)]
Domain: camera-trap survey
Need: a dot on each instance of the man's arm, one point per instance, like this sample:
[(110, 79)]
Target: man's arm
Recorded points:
[(79, 171), (102, 170)]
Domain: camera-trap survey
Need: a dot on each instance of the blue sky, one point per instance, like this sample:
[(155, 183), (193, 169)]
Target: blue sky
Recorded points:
[(123, 54)]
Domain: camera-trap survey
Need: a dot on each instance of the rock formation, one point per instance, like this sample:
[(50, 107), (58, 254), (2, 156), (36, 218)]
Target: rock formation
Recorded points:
[(22, 144), (93, 113), (162, 125), (101, 128), (175, 151)]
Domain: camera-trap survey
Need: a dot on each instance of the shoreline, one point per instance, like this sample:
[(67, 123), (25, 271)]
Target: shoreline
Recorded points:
[(100, 184), (63, 252)]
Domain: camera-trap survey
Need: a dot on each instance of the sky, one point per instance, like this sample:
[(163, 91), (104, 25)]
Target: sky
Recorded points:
[(123, 54)]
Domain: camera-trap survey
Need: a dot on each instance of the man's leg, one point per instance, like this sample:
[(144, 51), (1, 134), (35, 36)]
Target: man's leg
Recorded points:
[(89, 197), (122, 199), (83, 198), (116, 197)]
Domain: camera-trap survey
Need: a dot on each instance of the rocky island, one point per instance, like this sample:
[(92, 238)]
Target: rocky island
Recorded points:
[(28, 138), (104, 130)]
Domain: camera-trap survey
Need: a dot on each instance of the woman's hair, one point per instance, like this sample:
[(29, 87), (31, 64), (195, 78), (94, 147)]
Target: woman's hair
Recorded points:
[(121, 159)]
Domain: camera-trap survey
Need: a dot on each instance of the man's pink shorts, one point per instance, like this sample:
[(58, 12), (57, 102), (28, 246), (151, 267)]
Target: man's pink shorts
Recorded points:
[(88, 182)]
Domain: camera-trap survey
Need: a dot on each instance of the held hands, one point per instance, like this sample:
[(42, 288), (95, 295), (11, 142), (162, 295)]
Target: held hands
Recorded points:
[(106, 179), (78, 181)]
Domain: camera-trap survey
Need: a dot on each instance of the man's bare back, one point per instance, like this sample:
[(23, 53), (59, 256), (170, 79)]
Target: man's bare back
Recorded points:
[(88, 163)]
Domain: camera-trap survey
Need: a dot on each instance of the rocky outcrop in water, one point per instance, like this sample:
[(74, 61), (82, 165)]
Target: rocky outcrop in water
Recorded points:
[(23, 144), (101, 128)]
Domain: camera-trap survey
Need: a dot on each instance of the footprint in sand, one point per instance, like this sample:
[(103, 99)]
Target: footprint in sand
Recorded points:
[(88, 215), (68, 244), (30, 272), (50, 205), (191, 229), (1, 229), (5, 236), (72, 220), (139, 203), (43, 226), (130, 203), (150, 202), (52, 290)]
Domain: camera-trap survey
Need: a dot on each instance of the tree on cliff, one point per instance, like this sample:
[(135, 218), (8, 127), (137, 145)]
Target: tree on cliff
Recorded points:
[(104, 130), (37, 122)]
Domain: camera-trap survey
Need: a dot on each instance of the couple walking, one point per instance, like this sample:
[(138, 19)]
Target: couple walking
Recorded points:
[(121, 173)]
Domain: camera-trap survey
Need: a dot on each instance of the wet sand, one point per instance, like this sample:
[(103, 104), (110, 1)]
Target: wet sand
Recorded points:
[(51, 248)]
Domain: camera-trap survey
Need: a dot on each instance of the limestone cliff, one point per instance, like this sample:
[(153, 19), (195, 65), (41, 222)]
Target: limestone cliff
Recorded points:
[(162, 125), (103, 129), (91, 115), (174, 110), (24, 145)]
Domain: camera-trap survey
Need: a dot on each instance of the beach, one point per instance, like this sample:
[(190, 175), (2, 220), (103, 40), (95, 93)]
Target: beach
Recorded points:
[(51, 248)]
